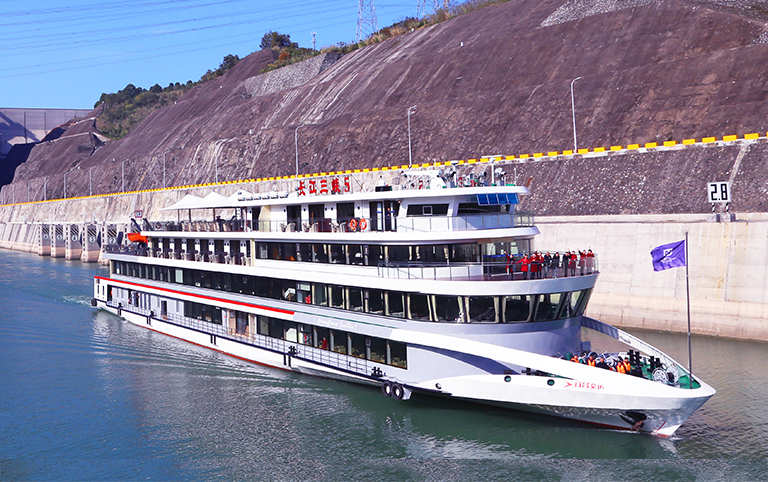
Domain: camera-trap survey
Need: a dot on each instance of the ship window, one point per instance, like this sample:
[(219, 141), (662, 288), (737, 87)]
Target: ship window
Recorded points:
[(336, 296), (205, 279), (216, 282), (338, 254), (189, 277), (475, 208), (291, 331), (431, 254), (398, 254), (306, 333), (262, 250), (397, 354), (516, 308), (375, 254), (482, 309), (447, 308), (357, 345), (378, 350), (319, 294), (339, 341), (547, 307), (376, 302), (418, 308), (303, 293), (288, 251), (355, 254), (345, 212), (395, 305), (319, 253), (196, 278), (262, 325), (464, 253), (427, 209), (583, 300), (305, 252), (288, 290), (356, 299), (275, 328), (322, 337)]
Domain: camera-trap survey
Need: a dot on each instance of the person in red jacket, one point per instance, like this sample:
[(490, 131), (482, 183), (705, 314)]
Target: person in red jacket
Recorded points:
[(525, 264)]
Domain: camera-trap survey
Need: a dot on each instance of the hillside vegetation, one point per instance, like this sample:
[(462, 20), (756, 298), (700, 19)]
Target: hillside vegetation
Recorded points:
[(125, 109), (128, 107)]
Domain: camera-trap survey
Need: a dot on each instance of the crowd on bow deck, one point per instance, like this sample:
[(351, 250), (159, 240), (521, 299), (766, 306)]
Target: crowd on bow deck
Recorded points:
[(536, 265)]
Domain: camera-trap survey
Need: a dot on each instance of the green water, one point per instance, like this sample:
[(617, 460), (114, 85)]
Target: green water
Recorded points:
[(86, 396)]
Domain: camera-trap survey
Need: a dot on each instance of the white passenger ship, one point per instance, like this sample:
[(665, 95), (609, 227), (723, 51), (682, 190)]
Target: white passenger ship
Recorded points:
[(416, 291)]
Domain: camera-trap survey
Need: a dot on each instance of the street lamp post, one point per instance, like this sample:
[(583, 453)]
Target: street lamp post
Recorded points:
[(90, 182), (410, 152), (573, 111), (65, 181), (296, 145), (123, 175), (164, 153)]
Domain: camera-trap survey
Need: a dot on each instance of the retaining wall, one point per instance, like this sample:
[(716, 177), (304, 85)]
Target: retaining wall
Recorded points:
[(728, 271)]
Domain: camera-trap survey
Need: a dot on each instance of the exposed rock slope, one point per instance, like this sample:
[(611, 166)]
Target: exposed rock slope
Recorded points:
[(495, 81)]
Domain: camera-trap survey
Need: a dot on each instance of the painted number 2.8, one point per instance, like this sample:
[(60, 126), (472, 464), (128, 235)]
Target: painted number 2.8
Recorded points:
[(719, 192)]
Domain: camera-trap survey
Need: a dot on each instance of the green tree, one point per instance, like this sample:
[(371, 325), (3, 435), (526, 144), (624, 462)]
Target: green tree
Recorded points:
[(274, 39)]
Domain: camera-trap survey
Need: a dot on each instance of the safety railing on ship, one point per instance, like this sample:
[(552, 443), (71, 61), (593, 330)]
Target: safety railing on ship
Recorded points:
[(329, 358), (495, 270)]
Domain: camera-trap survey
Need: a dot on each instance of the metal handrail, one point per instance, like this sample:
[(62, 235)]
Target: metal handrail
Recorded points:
[(328, 358)]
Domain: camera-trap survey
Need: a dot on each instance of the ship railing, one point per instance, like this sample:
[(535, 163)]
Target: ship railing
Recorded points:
[(492, 268), (286, 347)]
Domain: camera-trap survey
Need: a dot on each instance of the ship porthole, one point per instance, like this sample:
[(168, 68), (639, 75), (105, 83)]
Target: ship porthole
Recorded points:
[(507, 378), (550, 382)]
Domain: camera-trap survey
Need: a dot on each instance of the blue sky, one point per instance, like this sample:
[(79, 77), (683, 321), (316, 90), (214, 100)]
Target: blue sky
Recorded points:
[(66, 54)]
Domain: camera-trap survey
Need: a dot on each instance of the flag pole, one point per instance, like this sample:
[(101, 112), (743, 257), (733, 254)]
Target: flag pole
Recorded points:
[(688, 300)]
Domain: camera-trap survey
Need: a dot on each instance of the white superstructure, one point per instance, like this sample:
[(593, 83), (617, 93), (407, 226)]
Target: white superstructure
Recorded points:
[(420, 291)]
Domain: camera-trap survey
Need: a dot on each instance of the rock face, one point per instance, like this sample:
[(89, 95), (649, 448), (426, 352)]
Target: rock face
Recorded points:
[(495, 81)]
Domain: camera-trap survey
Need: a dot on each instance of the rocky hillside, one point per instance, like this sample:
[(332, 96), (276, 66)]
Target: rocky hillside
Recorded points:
[(494, 81)]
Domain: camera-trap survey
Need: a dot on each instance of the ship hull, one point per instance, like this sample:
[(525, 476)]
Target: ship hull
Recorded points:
[(634, 404)]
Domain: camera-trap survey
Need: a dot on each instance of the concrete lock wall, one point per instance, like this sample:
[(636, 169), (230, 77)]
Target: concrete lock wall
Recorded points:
[(728, 265), (728, 271)]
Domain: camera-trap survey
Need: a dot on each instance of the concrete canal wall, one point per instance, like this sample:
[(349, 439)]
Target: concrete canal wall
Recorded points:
[(728, 271), (728, 260)]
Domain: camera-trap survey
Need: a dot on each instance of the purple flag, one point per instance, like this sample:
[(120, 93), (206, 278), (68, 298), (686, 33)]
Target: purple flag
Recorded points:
[(667, 256)]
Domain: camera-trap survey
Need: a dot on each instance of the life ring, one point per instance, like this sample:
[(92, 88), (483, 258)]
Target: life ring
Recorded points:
[(158, 226), (386, 389), (397, 391), (363, 224), (352, 224)]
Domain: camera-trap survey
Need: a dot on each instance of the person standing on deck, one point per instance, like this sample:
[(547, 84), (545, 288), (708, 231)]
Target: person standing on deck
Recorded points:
[(525, 264), (555, 264)]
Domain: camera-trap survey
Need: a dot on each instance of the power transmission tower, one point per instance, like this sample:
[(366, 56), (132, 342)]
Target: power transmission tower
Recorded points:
[(366, 18), (421, 7)]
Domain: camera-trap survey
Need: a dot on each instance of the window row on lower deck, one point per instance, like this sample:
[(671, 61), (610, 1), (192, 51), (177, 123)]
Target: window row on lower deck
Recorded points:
[(371, 348), (396, 304)]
